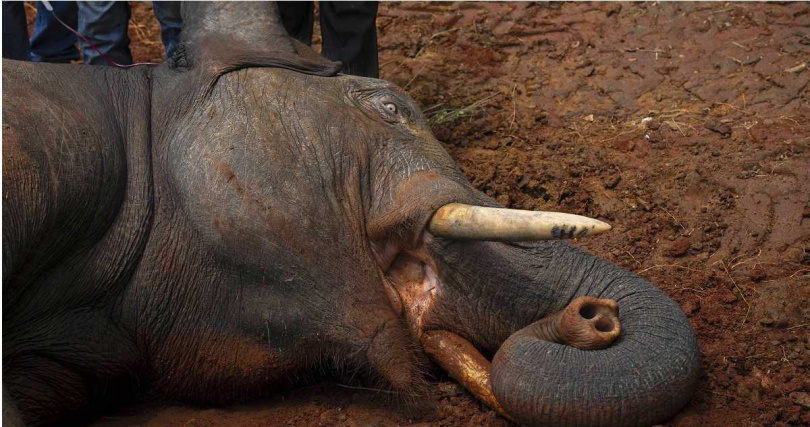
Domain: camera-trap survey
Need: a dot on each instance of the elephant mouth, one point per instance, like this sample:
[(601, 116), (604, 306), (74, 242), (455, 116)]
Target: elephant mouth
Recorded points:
[(414, 285), (525, 380), (413, 282)]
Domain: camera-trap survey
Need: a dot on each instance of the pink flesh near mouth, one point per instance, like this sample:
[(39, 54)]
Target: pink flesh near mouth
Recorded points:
[(413, 284)]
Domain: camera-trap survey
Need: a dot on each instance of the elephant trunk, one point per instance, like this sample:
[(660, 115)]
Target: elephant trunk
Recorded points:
[(644, 377)]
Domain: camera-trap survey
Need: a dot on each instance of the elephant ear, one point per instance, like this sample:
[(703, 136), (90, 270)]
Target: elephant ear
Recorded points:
[(220, 37)]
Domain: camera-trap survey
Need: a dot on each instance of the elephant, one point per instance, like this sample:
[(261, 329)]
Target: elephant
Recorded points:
[(244, 216)]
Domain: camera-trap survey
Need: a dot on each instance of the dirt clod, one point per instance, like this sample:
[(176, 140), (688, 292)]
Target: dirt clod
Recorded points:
[(721, 128), (679, 247), (801, 398), (612, 182)]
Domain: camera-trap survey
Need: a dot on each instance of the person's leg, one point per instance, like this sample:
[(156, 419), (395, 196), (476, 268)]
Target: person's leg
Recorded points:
[(105, 23), (350, 35), (52, 42), (298, 19), (171, 23), (15, 33)]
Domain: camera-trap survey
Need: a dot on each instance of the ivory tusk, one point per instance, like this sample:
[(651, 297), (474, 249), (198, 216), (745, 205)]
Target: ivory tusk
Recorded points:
[(464, 363), (460, 221)]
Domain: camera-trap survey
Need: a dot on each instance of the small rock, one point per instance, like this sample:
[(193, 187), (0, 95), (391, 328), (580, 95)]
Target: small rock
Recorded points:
[(794, 254), (801, 398), (523, 181), (691, 307), (625, 145), (447, 20), (757, 274), (766, 321), (781, 322), (612, 182), (587, 71), (613, 9), (588, 118), (492, 145), (729, 298), (679, 247), (503, 28), (643, 204), (721, 128)]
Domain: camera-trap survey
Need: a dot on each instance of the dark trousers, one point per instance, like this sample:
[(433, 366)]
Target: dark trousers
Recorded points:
[(348, 27), (15, 31)]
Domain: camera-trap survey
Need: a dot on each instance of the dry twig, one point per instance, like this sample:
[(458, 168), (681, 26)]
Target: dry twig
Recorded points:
[(354, 387), (745, 300)]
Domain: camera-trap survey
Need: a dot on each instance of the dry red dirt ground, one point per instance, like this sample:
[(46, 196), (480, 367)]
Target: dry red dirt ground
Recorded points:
[(685, 125)]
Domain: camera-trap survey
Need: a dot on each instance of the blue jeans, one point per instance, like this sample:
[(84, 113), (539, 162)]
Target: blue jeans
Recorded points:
[(105, 24), (51, 42), (171, 23)]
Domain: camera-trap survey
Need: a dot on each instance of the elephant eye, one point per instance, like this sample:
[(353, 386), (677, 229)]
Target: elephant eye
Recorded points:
[(391, 107)]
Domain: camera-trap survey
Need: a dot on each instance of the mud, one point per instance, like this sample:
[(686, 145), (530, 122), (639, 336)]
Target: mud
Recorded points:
[(684, 125)]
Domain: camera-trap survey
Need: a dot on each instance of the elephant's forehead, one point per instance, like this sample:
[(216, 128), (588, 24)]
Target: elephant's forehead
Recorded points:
[(291, 88), (343, 82), (251, 83)]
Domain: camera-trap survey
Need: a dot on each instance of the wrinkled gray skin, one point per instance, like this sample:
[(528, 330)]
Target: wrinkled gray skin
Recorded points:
[(219, 227)]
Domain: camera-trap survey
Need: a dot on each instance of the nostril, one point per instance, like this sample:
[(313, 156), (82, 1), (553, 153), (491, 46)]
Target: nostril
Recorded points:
[(587, 311), (604, 325)]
